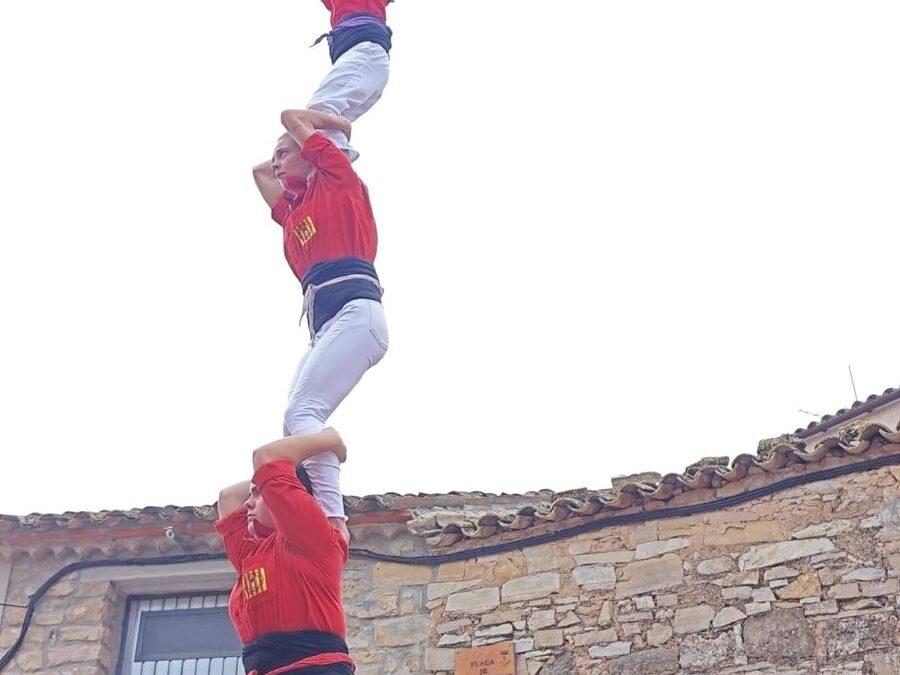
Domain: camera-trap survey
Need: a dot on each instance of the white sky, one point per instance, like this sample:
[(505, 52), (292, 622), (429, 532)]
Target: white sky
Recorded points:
[(615, 237)]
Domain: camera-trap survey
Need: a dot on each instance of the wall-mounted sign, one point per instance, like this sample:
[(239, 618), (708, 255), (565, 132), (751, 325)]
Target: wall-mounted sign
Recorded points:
[(498, 659)]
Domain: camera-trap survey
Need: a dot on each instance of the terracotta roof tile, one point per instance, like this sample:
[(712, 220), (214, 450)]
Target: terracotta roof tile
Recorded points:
[(447, 519), (845, 414), (773, 457), (152, 530), (163, 515)]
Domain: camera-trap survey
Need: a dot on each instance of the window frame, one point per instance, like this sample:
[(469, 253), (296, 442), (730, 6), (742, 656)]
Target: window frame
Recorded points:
[(130, 630)]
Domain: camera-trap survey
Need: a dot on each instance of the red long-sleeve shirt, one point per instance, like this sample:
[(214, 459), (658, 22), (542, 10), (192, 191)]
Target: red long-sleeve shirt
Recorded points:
[(333, 218), (341, 8), (290, 580)]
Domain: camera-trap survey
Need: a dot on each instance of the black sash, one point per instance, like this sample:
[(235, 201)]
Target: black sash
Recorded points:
[(275, 650)]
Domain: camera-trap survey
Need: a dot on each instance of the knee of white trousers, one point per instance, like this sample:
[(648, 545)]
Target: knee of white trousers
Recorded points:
[(355, 83), (325, 105), (301, 420), (325, 475), (302, 426)]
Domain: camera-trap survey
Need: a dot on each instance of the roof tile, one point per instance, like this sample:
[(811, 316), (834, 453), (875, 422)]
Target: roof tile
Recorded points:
[(447, 519)]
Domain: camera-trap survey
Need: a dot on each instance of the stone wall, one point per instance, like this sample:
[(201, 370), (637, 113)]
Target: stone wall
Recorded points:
[(802, 582), (76, 626), (805, 581)]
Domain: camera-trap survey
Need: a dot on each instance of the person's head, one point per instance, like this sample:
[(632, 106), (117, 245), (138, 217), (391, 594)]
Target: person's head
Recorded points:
[(259, 518), (289, 167)]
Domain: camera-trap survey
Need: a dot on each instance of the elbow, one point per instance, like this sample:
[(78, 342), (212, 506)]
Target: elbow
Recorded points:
[(230, 500), (291, 119), (262, 171), (288, 118), (261, 456)]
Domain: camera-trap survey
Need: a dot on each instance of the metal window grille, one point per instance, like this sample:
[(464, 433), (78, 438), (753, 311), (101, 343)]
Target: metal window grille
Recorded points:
[(180, 635)]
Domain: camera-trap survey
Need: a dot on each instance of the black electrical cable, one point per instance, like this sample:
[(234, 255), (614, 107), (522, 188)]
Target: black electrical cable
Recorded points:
[(614, 521)]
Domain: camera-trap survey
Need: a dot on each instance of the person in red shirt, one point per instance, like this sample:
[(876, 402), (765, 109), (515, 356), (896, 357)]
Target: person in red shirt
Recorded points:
[(330, 241), (359, 45), (286, 605)]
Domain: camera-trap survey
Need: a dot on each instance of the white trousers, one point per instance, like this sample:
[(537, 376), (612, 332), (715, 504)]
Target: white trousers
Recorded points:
[(354, 84), (346, 346)]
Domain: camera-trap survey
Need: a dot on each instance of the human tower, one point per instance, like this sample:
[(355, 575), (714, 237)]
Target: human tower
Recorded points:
[(285, 531)]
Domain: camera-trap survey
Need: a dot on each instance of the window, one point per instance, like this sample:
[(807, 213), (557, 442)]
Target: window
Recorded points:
[(180, 635)]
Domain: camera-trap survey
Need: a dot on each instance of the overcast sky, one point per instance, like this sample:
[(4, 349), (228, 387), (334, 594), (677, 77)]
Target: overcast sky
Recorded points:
[(614, 237)]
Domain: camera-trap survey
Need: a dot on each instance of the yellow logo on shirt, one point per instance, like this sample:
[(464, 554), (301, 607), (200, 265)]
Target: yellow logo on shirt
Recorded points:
[(305, 230), (254, 582)]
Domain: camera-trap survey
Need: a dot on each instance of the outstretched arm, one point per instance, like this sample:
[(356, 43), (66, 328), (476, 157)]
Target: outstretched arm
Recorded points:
[(300, 448), (301, 124), (265, 180)]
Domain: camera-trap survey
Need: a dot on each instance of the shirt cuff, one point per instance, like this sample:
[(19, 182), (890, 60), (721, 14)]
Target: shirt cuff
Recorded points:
[(270, 470), (313, 146)]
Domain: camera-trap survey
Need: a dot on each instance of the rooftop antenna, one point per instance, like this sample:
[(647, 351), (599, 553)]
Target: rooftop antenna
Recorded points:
[(855, 395)]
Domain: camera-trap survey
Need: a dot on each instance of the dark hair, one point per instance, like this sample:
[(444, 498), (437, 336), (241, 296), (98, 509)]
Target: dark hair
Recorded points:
[(303, 477)]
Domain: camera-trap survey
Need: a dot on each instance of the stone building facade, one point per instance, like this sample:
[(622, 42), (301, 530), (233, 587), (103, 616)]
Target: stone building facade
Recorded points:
[(784, 561)]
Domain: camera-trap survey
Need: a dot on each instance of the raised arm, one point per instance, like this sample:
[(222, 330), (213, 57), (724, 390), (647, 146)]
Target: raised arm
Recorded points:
[(301, 124), (300, 448), (232, 498), (297, 516), (232, 523), (265, 180)]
